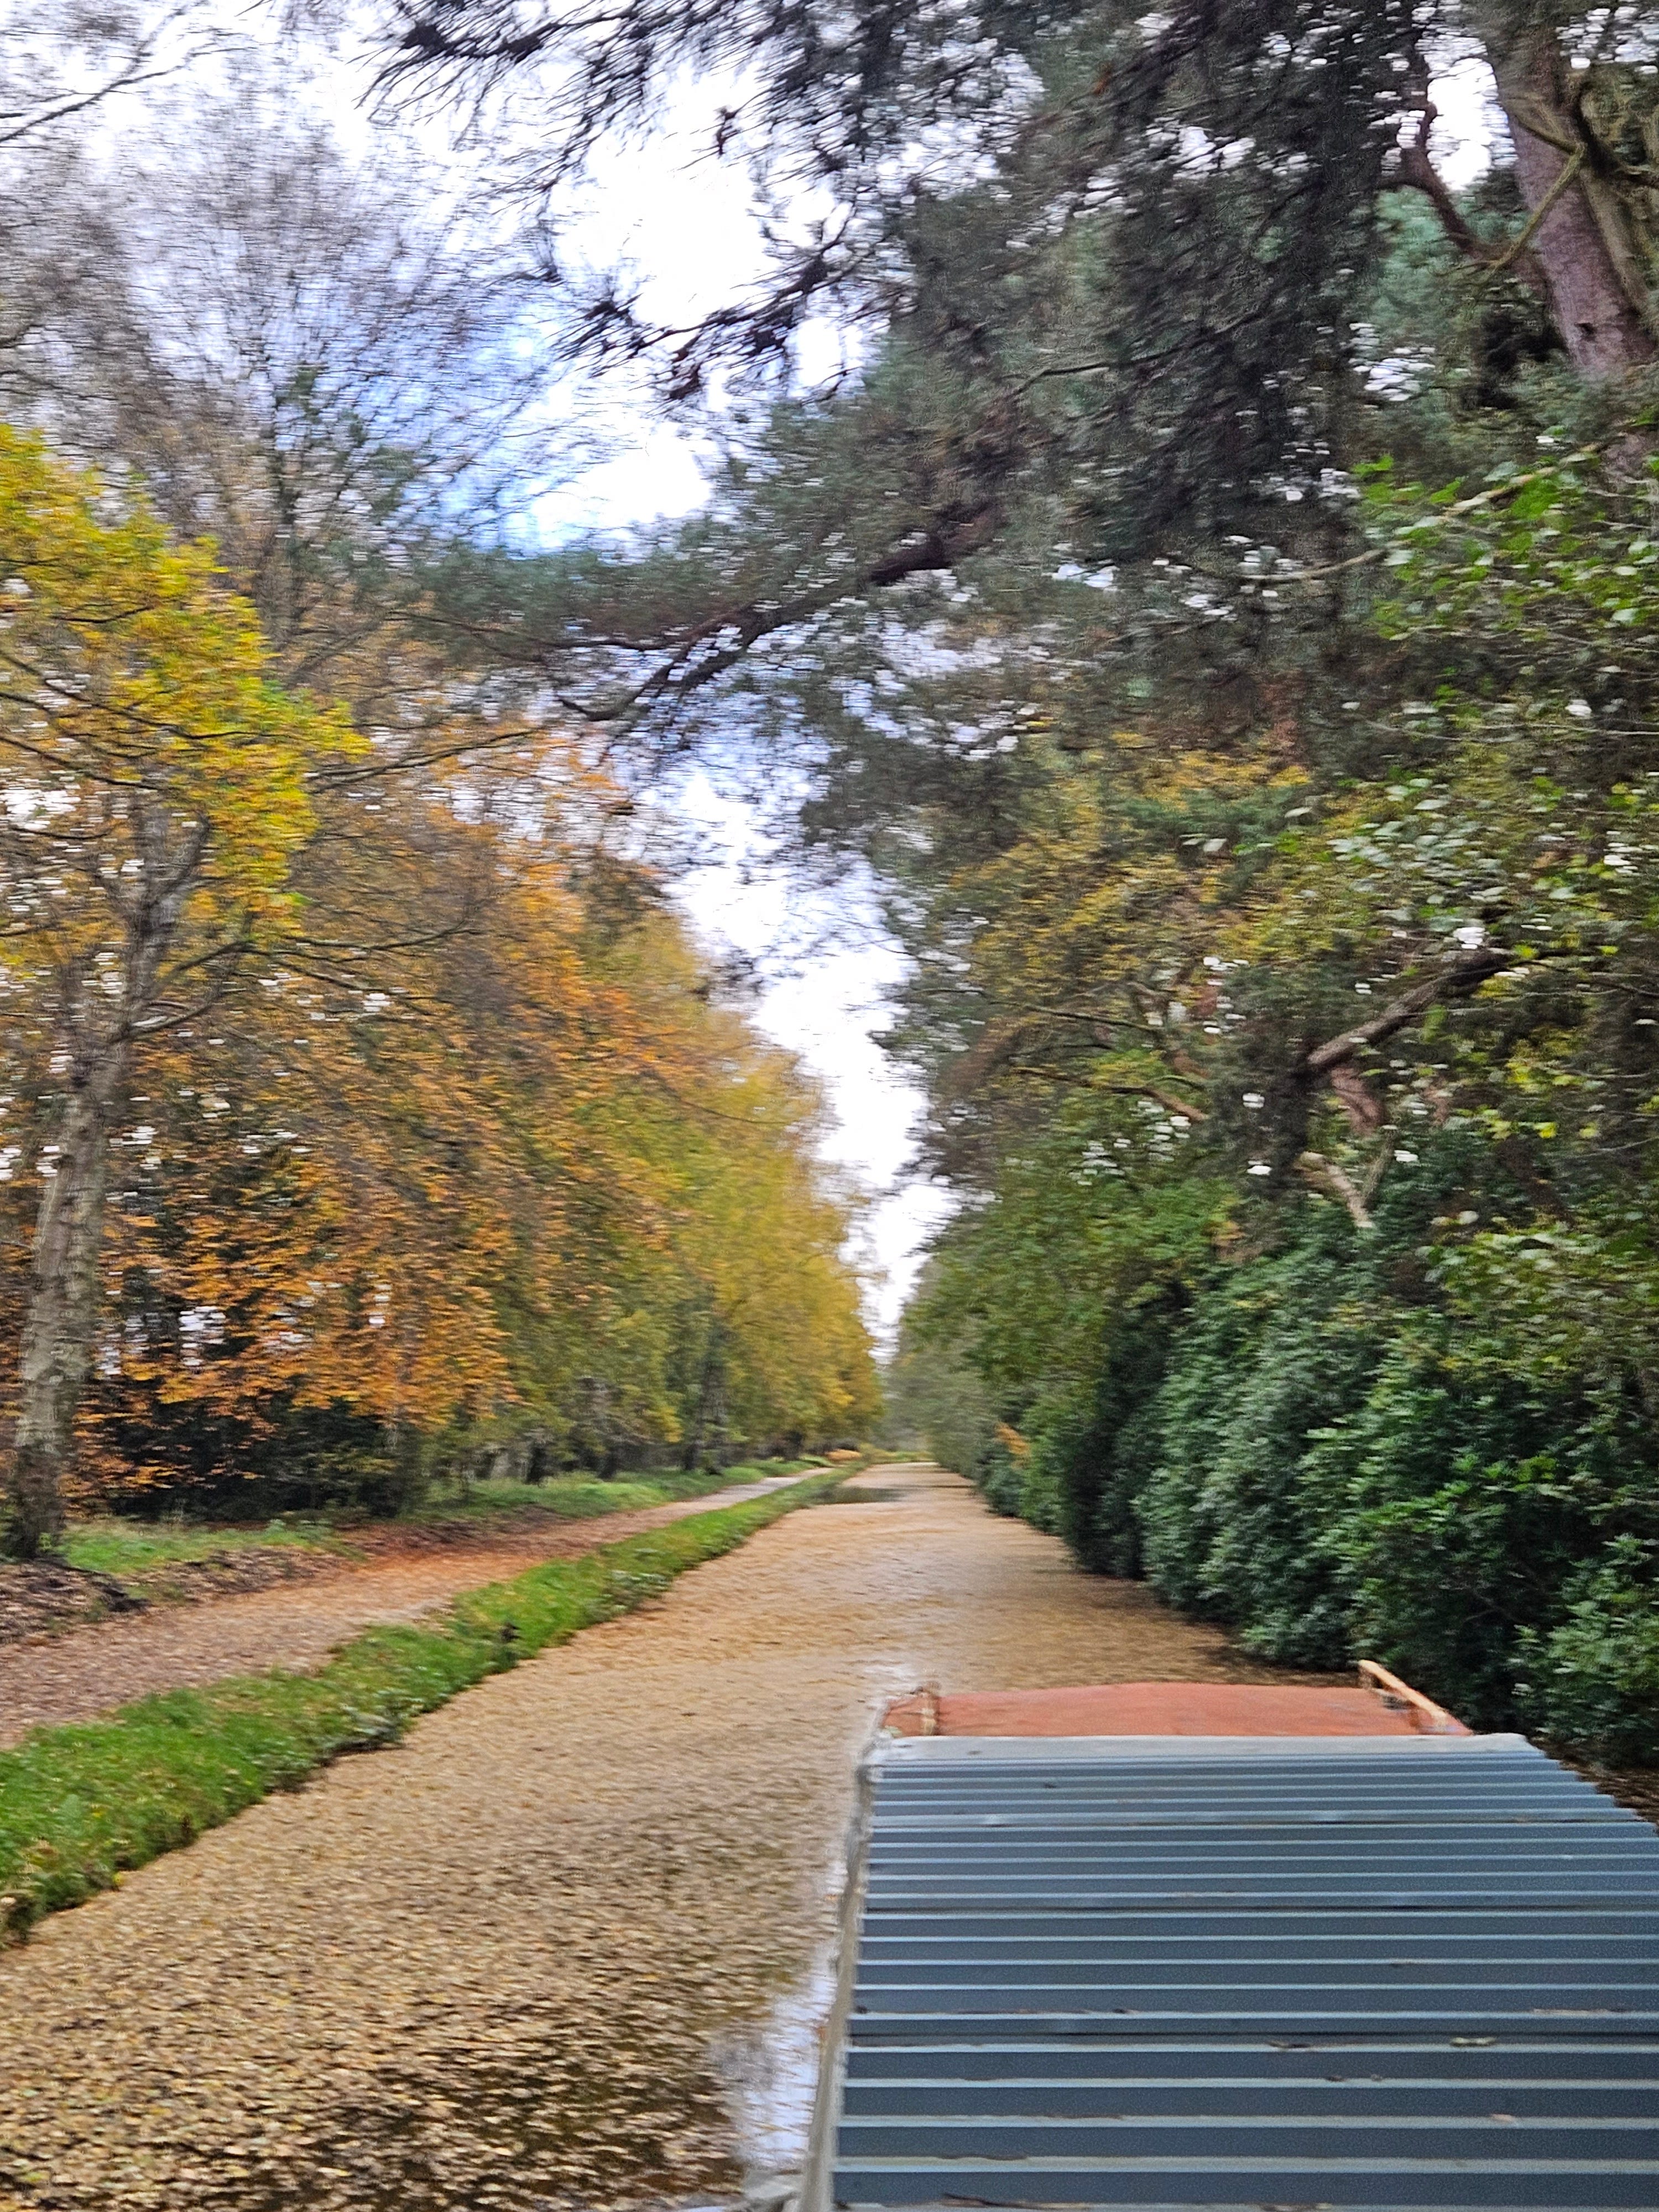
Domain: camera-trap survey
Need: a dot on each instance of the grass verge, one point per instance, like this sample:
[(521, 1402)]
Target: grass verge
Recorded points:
[(79, 1806), (126, 1548), (583, 1497), (130, 1549)]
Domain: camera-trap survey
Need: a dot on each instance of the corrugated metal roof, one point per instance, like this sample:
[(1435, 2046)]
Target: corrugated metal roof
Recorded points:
[(1266, 1971)]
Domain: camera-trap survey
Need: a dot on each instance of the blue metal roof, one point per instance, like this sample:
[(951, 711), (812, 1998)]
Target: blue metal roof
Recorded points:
[(1283, 1973)]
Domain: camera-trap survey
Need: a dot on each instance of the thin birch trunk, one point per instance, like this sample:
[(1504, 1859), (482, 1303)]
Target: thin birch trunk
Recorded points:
[(60, 1323)]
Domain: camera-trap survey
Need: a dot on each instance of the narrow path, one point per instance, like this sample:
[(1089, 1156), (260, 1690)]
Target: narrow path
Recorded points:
[(76, 1676), (512, 1965)]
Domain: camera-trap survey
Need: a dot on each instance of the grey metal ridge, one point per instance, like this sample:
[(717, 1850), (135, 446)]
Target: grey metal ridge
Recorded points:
[(1303, 1973)]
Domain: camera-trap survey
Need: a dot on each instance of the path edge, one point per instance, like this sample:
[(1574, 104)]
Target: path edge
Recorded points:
[(65, 1862)]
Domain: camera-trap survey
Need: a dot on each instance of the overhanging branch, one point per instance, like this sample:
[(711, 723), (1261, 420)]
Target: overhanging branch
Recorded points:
[(1461, 976)]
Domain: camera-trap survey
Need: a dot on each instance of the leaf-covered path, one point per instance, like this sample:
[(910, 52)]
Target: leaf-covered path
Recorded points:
[(488, 1968), (85, 1672)]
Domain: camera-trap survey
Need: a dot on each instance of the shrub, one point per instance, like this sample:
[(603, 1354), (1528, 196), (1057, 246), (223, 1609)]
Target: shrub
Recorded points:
[(1276, 1350), (1593, 1680)]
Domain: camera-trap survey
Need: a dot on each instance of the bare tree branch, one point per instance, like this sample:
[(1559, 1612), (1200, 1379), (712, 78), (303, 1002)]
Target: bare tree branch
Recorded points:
[(1325, 1174)]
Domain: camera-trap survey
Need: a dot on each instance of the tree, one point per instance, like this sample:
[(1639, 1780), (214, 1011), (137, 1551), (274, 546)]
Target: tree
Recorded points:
[(314, 359), (463, 1140), (1574, 85), (1221, 163), (437, 1141), (461, 1179), (155, 789), (90, 54), (1218, 604)]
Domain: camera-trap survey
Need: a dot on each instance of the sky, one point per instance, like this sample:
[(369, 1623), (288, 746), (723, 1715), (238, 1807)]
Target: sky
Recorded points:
[(828, 966)]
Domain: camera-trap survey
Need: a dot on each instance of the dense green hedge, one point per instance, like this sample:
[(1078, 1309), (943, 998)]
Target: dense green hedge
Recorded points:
[(79, 1805), (1331, 1449)]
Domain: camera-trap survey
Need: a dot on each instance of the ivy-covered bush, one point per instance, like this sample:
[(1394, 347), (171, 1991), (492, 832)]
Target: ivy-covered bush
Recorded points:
[(1273, 1352), (1375, 1444), (1091, 1447), (1002, 1481)]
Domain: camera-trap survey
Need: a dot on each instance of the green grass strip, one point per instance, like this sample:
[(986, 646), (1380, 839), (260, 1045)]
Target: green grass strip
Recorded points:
[(577, 1498), (133, 1551), (131, 1548), (81, 1805)]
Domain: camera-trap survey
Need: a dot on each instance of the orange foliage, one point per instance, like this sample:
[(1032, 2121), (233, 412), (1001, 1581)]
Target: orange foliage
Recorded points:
[(478, 1156)]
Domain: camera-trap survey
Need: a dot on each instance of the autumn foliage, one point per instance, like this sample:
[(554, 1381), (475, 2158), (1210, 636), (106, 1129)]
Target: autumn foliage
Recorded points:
[(415, 1132)]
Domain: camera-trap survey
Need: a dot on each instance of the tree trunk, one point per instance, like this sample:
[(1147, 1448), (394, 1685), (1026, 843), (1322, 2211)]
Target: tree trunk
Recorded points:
[(58, 1328), (66, 1276), (706, 1390), (1583, 244)]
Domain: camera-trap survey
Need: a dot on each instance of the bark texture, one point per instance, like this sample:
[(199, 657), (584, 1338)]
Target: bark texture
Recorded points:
[(66, 1276), (55, 1354), (1583, 244)]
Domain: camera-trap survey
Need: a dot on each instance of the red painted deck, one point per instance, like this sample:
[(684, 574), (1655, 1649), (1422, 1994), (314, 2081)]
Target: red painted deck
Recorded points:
[(1154, 1709)]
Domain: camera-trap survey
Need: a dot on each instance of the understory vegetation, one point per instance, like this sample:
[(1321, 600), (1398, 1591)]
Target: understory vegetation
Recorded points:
[(79, 1806)]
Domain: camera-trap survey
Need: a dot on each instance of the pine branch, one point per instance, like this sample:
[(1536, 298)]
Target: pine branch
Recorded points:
[(1464, 975)]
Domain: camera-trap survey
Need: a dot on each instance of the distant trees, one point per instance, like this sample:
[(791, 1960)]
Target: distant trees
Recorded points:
[(367, 1106), (374, 1113), (314, 359)]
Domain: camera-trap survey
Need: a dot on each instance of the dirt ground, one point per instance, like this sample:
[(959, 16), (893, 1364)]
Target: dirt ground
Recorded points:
[(78, 1674), (489, 1968)]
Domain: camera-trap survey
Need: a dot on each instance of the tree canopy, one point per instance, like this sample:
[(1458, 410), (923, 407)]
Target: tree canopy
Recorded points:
[(369, 1111), (1216, 603)]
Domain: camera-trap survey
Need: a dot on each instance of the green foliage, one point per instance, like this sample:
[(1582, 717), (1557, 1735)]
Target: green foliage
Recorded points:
[(1090, 1451), (1274, 1350), (128, 1548), (1285, 909), (1341, 1447), (1001, 1478), (79, 1806), (937, 1403), (1594, 1679)]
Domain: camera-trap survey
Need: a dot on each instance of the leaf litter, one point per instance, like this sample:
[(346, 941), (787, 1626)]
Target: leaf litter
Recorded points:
[(505, 1963)]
